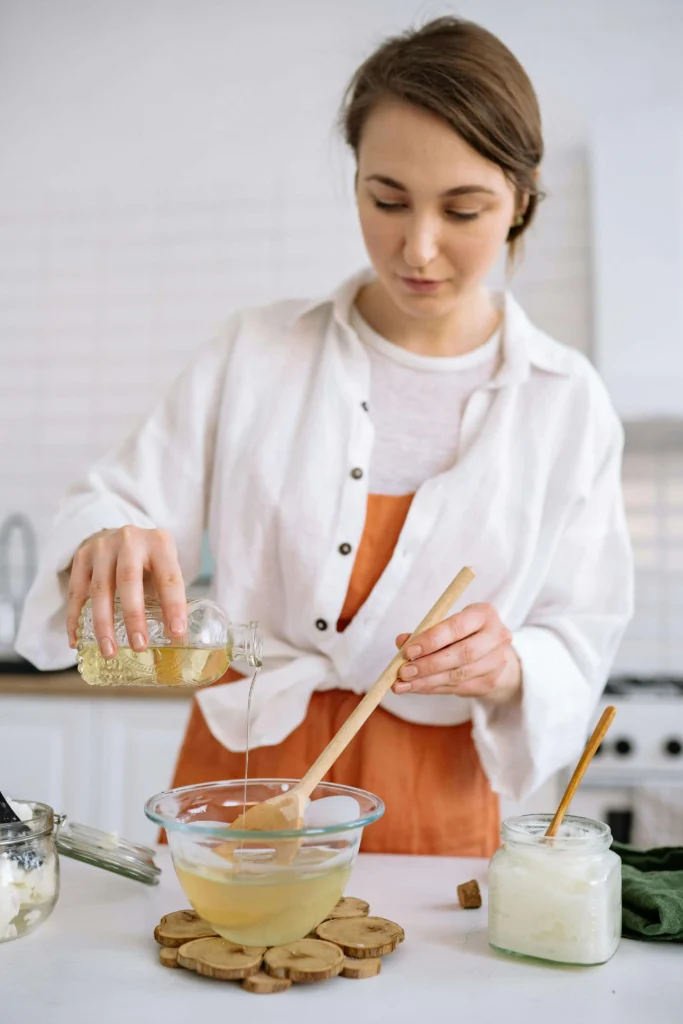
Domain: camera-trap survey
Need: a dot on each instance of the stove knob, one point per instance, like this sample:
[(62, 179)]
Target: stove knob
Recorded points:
[(673, 747), (623, 747)]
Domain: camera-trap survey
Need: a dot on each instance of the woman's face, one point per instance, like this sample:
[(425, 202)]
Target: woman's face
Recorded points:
[(433, 212)]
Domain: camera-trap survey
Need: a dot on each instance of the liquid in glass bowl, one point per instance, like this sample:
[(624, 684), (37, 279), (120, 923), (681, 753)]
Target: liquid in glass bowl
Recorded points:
[(262, 888)]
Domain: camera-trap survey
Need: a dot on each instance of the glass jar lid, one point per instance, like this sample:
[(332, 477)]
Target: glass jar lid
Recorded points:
[(106, 850)]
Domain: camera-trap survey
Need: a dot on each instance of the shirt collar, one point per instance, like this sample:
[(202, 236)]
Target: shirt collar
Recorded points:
[(523, 344), (341, 299)]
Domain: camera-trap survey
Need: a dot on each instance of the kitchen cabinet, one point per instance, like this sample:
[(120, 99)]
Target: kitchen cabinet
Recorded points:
[(96, 759), (637, 217), (46, 751), (139, 746)]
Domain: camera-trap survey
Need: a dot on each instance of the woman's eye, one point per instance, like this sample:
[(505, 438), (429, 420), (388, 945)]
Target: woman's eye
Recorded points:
[(390, 207), (458, 215)]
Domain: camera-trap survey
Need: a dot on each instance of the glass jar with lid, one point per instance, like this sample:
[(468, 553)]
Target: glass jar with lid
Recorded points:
[(29, 862), (29, 869), (210, 645), (555, 898)]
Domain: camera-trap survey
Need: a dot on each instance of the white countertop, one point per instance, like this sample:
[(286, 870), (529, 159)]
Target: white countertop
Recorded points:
[(95, 960)]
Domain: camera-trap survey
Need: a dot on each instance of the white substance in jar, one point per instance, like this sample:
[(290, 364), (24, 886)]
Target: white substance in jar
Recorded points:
[(555, 898), (28, 883)]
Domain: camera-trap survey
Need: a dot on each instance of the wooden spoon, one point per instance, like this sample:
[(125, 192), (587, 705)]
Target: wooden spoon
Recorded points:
[(594, 742), (286, 811)]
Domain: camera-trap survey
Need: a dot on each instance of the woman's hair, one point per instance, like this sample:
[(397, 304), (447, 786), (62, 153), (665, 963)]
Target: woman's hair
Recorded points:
[(465, 75)]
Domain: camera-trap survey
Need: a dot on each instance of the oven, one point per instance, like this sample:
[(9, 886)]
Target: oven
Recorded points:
[(635, 781)]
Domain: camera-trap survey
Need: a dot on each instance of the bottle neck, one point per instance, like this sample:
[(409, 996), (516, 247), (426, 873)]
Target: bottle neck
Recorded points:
[(245, 643)]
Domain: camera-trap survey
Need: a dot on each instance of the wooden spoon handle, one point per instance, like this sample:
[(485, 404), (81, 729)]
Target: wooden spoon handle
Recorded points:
[(380, 688), (594, 742)]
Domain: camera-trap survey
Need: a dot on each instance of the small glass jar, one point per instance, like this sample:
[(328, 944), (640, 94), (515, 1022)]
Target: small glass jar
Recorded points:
[(29, 863), (555, 898), (29, 869), (210, 645)]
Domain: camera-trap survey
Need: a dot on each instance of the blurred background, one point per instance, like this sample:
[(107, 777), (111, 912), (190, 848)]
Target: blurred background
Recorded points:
[(164, 162)]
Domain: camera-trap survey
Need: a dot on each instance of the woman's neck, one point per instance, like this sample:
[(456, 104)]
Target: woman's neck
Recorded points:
[(469, 325)]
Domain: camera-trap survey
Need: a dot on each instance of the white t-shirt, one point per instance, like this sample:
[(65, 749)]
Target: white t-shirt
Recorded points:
[(416, 407)]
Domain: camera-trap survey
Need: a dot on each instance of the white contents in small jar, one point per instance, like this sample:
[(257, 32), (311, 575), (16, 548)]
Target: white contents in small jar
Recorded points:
[(28, 877), (555, 898)]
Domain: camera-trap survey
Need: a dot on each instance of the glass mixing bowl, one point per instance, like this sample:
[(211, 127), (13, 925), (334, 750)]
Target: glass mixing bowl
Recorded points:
[(262, 888)]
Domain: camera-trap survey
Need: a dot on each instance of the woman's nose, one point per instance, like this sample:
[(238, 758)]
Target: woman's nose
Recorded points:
[(421, 243)]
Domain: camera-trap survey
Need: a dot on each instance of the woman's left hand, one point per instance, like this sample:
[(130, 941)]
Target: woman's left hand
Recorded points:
[(469, 654)]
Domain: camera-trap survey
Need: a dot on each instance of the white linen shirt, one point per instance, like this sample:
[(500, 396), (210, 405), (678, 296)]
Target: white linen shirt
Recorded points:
[(260, 441)]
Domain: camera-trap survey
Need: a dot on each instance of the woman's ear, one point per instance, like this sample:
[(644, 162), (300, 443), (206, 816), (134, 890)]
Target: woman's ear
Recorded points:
[(523, 197)]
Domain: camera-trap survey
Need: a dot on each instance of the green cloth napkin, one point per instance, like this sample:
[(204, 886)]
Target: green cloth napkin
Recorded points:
[(652, 892)]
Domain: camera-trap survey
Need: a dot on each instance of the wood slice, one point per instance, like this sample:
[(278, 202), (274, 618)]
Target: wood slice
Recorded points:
[(181, 926), (264, 984), (304, 960), (355, 968), (168, 957), (362, 937), (349, 906), (215, 957)]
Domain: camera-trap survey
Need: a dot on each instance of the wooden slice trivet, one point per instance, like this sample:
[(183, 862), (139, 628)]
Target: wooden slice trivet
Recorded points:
[(168, 957), (349, 906), (305, 960), (355, 968), (264, 984), (218, 958), (362, 937), (348, 943), (179, 927)]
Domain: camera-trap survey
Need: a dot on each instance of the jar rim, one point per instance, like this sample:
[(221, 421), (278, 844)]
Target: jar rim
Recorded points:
[(575, 832), (41, 823)]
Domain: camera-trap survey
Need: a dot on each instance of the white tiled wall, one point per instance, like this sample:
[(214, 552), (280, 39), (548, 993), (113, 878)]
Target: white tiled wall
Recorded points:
[(163, 164)]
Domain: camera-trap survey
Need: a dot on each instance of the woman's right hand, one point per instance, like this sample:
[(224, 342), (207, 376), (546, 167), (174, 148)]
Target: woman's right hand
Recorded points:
[(126, 560)]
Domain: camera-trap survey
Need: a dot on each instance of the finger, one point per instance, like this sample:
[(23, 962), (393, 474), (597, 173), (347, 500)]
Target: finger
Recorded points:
[(450, 631), (79, 590), (466, 651), (478, 675), (168, 579), (129, 574), (482, 687), (401, 639), (102, 586)]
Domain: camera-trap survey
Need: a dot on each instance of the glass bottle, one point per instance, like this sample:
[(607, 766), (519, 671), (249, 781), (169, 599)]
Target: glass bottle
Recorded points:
[(210, 645), (555, 898)]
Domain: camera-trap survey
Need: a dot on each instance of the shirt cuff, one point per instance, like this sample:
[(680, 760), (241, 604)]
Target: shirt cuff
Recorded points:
[(523, 743)]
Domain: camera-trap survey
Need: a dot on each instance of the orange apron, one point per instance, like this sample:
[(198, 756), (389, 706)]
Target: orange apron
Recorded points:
[(438, 800)]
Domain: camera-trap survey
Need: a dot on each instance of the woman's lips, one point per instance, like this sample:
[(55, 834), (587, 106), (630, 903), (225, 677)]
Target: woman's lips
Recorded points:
[(417, 284)]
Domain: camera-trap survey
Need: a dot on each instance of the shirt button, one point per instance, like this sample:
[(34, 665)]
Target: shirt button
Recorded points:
[(357, 473), (364, 406), (321, 624), (344, 549)]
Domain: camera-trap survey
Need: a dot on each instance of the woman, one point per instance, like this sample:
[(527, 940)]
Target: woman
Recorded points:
[(350, 454)]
